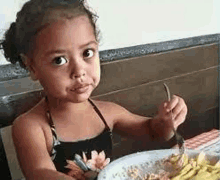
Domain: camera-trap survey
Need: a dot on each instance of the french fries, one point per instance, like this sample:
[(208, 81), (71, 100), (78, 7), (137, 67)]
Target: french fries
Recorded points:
[(183, 168), (198, 168)]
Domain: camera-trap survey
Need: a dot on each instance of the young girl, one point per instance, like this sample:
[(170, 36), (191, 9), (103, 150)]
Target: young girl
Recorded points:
[(57, 41)]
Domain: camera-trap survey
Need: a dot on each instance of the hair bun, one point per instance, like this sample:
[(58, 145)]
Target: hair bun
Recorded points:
[(9, 45)]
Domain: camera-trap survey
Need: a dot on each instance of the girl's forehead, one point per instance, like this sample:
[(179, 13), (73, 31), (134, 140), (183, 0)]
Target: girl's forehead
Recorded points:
[(65, 34), (59, 14), (63, 24), (55, 15)]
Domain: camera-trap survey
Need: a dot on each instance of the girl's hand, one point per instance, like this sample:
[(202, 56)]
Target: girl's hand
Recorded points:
[(171, 114), (75, 171), (97, 162)]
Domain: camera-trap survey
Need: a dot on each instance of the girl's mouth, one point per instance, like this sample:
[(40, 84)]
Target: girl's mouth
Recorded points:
[(81, 89)]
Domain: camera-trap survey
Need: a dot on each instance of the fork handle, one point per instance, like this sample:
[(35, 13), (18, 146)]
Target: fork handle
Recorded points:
[(179, 138)]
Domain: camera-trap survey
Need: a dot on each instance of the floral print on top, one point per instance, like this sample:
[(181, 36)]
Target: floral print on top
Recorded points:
[(64, 152), (97, 162)]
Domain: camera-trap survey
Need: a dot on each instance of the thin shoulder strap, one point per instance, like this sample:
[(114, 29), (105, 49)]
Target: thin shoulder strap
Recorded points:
[(54, 135), (99, 113), (52, 126)]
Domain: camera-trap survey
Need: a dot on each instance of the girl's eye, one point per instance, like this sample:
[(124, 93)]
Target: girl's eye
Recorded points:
[(60, 61), (88, 53)]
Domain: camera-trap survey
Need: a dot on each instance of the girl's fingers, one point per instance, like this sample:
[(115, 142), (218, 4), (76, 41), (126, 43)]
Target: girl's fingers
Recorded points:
[(81, 177), (180, 118), (179, 108), (177, 104), (76, 174), (74, 170), (173, 102), (162, 109), (167, 106)]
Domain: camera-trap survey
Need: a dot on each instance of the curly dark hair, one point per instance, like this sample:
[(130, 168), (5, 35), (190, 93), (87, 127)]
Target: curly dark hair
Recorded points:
[(35, 15)]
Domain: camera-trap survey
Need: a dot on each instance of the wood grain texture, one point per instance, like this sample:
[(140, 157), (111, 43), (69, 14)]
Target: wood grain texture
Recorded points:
[(127, 73), (198, 89), (17, 86)]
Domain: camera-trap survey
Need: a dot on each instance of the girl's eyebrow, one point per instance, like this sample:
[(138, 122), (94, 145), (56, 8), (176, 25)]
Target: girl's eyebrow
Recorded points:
[(60, 51), (89, 43)]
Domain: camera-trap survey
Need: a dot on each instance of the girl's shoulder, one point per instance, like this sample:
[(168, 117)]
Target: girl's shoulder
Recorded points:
[(111, 111), (33, 125), (103, 104), (34, 117), (109, 107)]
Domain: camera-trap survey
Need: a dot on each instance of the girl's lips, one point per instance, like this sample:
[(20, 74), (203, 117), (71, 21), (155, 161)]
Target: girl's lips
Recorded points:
[(81, 89)]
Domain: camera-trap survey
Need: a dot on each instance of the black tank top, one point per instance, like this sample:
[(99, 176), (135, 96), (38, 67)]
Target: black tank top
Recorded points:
[(62, 151)]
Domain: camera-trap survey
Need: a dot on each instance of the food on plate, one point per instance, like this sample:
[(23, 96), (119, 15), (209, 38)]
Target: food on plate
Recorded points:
[(181, 167)]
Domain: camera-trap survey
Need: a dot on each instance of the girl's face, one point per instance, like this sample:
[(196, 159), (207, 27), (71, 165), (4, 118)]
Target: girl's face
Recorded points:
[(66, 59)]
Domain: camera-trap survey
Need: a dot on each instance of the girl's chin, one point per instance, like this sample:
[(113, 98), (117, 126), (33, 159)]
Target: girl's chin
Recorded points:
[(80, 98), (68, 100)]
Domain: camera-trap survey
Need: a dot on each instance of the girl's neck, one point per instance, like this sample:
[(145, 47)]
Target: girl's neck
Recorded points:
[(66, 106)]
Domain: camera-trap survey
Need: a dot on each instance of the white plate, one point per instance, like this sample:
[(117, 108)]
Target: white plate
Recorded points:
[(144, 161)]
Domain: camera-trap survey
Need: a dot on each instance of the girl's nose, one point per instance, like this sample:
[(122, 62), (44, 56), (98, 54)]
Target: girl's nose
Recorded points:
[(79, 75), (78, 70)]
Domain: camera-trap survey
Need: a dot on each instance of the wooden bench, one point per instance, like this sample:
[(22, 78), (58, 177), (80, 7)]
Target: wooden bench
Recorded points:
[(132, 77)]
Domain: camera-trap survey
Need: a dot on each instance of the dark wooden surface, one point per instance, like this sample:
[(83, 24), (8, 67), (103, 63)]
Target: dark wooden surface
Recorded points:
[(5, 172), (132, 72)]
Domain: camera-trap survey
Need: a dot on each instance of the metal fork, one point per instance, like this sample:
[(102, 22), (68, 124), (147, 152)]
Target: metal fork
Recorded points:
[(91, 174), (179, 138)]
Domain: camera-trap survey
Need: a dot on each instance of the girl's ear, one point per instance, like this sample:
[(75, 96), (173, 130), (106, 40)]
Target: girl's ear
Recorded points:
[(32, 74), (27, 62)]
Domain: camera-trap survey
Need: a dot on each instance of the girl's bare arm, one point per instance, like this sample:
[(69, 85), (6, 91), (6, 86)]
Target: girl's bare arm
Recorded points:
[(130, 124), (30, 145), (159, 127)]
